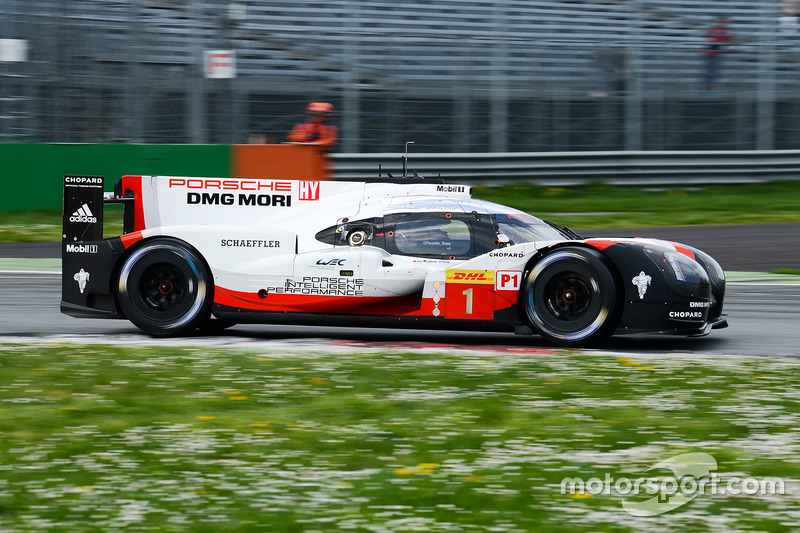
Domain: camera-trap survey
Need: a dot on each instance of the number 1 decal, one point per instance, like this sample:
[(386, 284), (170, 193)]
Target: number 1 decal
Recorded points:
[(468, 306)]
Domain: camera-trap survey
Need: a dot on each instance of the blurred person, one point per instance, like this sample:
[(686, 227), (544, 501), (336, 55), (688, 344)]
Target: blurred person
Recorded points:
[(789, 21), (718, 36), (314, 130)]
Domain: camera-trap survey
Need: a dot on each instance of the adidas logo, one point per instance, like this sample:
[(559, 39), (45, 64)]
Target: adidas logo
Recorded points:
[(84, 214)]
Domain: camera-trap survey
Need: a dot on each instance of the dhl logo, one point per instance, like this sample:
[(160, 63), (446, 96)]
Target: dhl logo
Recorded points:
[(480, 277)]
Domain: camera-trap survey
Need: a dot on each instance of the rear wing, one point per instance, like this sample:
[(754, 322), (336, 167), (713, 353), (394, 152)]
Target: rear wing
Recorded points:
[(86, 259), (83, 209)]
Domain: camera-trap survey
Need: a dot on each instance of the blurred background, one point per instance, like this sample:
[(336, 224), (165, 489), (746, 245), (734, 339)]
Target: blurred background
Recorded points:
[(454, 75)]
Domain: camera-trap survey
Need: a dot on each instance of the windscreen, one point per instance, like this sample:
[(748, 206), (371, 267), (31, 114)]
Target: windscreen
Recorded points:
[(521, 227), (432, 237)]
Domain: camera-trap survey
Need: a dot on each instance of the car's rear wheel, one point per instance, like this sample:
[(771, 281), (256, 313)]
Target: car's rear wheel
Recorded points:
[(570, 296), (164, 288)]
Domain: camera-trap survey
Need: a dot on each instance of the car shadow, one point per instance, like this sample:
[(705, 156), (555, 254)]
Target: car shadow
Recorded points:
[(378, 337)]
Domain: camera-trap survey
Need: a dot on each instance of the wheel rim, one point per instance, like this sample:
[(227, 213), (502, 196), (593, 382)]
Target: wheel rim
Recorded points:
[(567, 297), (163, 287)]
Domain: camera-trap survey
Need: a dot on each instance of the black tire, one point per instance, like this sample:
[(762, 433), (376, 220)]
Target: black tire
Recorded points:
[(165, 288), (571, 297)]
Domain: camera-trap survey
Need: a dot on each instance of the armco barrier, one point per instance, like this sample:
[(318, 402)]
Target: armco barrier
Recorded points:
[(569, 168), (30, 174)]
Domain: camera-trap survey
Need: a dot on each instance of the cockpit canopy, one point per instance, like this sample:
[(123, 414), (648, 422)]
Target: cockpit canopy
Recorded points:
[(465, 230)]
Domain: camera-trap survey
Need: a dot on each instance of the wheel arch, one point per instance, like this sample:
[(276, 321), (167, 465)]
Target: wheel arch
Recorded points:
[(147, 240), (619, 288)]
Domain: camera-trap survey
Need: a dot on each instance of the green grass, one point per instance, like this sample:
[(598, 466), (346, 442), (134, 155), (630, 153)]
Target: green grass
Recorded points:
[(590, 206), (626, 207), (787, 271), (99, 438), (45, 225)]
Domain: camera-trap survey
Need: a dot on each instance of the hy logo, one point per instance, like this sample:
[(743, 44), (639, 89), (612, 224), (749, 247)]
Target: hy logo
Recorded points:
[(309, 190), (84, 214)]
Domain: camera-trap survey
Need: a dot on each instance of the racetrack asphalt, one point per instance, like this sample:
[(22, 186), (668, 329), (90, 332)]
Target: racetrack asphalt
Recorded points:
[(745, 247), (762, 320)]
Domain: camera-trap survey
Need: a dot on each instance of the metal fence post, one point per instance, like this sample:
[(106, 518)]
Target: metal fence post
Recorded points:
[(634, 131), (765, 90), (195, 86), (351, 102), (499, 81)]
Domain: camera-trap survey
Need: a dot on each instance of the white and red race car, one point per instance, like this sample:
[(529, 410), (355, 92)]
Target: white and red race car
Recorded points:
[(212, 252)]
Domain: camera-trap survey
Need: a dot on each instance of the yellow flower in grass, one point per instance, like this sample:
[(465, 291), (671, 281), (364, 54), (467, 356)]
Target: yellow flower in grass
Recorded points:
[(581, 496), (422, 468), (426, 468)]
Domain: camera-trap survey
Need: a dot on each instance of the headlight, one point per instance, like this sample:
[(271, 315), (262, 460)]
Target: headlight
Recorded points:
[(686, 269), (714, 269)]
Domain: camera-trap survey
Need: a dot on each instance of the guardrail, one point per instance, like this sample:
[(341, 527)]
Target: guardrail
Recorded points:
[(573, 168)]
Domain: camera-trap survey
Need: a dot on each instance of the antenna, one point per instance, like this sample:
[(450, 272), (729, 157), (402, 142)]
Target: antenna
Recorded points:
[(405, 160)]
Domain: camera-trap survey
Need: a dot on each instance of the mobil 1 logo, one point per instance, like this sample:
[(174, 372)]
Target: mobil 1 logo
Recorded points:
[(83, 208)]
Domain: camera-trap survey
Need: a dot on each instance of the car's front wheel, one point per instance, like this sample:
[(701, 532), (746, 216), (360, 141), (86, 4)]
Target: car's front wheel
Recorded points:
[(164, 288), (570, 296)]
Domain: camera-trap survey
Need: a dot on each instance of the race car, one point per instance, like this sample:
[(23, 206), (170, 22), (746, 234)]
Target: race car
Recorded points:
[(208, 253)]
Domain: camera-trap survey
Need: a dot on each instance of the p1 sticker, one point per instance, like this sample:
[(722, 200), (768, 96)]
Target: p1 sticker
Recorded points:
[(507, 280)]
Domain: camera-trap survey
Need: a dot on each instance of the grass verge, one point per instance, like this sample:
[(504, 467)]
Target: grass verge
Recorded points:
[(99, 438), (787, 271), (588, 207), (44, 225), (606, 206)]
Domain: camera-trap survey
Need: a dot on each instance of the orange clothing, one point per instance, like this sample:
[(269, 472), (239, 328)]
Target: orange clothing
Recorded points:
[(314, 133)]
